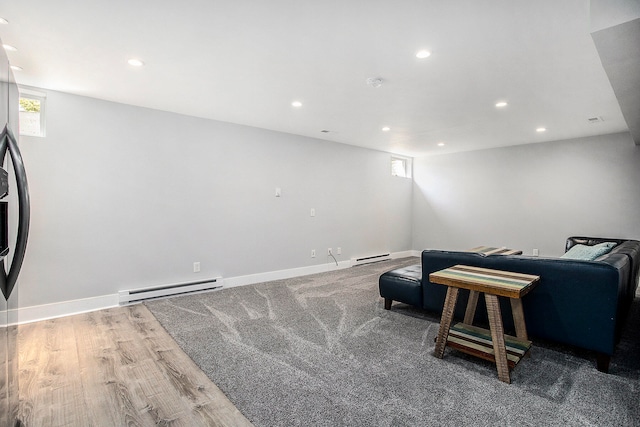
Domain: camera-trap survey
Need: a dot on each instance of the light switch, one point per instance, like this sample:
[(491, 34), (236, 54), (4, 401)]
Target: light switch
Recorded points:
[(278, 191), (313, 212)]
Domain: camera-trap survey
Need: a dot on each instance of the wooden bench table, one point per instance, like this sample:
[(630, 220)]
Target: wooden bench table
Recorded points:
[(493, 345), (490, 250)]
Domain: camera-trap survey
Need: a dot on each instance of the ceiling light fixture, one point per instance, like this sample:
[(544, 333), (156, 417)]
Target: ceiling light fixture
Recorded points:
[(296, 104), (541, 129), (421, 54), (374, 81), (134, 62), (440, 144), (386, 129), (16, 68), (3, 21), (501, 104)]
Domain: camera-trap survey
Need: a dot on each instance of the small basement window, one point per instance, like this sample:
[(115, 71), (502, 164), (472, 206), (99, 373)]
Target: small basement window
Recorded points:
[(32, 109), (401, 166)]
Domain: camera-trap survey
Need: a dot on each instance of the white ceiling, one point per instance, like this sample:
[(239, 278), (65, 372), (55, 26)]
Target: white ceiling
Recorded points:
[(245, 61)]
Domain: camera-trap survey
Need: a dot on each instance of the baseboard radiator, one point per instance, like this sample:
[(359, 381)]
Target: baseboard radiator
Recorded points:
[(137, 295), (370, 259)]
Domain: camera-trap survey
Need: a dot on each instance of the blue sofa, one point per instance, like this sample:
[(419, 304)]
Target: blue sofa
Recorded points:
[(579, 303)]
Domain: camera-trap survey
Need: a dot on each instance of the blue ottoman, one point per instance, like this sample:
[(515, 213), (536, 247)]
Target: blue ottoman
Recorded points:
[(402, 285)]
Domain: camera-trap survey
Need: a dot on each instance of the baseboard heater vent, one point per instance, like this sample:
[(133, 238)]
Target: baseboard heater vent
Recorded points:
[(370, 259), (137, 295)]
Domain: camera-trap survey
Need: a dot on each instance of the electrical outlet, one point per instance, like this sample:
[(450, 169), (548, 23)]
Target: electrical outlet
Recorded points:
[(536, 252), (339, 251), (196, 267), (329, 251), (313, 253)]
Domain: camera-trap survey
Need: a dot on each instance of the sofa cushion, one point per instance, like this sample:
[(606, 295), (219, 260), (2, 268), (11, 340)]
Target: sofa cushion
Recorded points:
[(589, 241), (403, 285), (588, 253)]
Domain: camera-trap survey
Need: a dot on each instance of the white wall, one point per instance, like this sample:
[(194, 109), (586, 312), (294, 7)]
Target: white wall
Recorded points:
[(608, 13), (126, 197), (528, 196)]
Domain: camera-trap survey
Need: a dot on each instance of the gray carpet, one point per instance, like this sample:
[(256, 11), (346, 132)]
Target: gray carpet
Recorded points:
[(320, 350)]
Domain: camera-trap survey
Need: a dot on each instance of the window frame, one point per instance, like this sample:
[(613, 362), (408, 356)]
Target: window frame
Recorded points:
[(407, 163), (26, 93)]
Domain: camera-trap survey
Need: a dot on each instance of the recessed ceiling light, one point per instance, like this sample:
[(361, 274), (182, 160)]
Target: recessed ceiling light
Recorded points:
[(374, 81), (134, 62), (541, 129), (296, 104), (386, 129), (16, 68), (421, 54), (501, 104), (3, 21), (440, 144)]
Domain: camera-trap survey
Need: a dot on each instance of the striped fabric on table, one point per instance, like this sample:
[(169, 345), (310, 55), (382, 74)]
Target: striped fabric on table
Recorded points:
[(499, 282)]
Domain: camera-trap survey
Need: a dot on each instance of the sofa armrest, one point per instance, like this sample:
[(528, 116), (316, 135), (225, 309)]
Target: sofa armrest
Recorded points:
[(630, 248)]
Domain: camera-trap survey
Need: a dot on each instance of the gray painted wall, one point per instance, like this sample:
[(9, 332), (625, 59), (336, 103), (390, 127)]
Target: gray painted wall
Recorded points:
[(609, 13), (126, 197), (530, 196)]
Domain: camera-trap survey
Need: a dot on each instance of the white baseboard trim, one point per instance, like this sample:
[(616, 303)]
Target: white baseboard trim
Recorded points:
[(67, 308), (406, 254), (36, 313), (250, 279)]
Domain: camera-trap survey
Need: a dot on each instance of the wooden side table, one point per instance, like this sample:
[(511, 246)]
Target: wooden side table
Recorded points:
[(473, 295), (493, 345)]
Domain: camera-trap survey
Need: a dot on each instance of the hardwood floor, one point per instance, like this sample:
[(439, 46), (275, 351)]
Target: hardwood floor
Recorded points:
[(8, 368), (115, 367)]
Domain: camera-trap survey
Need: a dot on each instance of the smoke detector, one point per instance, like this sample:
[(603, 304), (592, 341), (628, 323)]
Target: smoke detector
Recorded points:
[(374, 81)]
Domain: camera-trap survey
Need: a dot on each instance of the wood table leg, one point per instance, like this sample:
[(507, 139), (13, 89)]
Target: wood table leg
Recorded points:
[(518, 318), (497, 336), (471, 307), (445, 321)]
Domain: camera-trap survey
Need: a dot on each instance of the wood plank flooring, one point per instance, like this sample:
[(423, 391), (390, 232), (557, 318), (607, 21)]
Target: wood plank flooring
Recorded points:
[(115, 367), (8, 366)]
